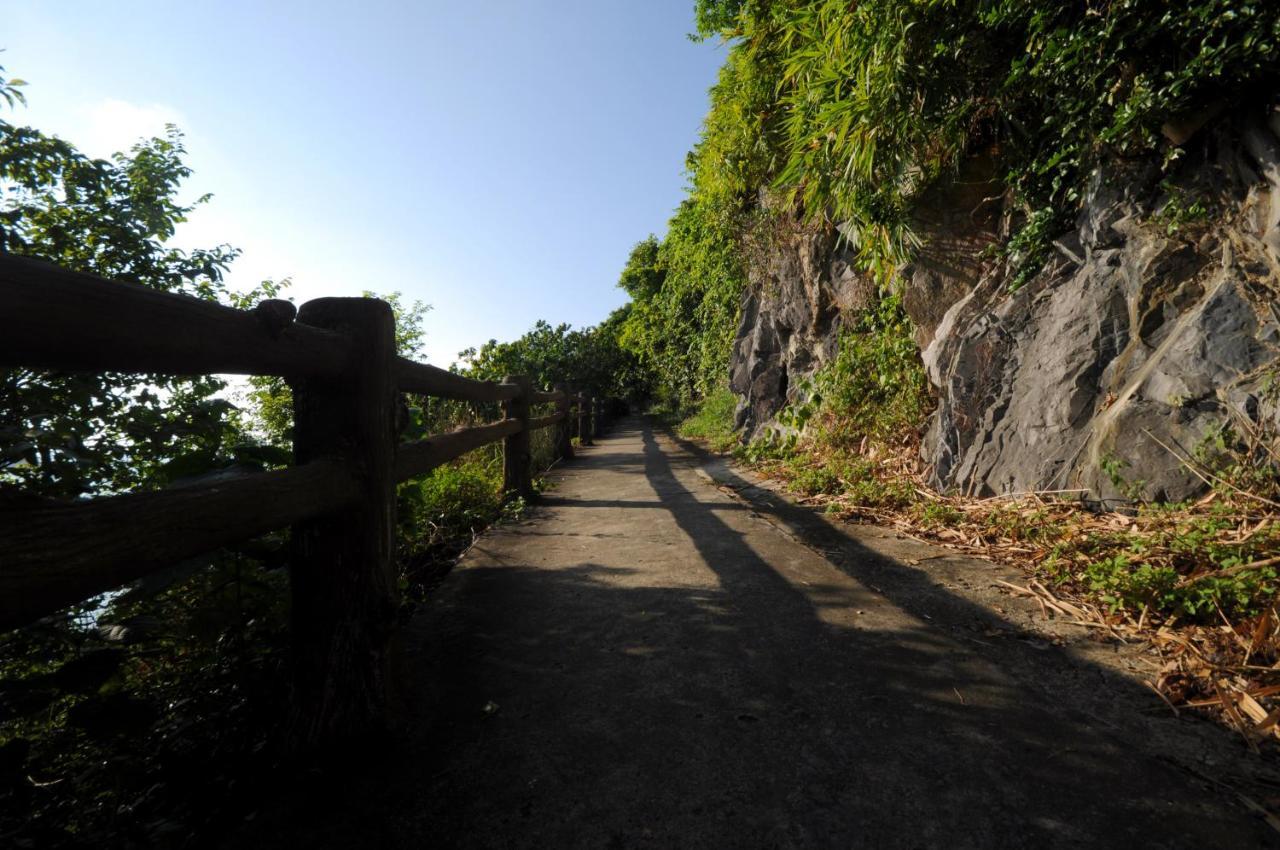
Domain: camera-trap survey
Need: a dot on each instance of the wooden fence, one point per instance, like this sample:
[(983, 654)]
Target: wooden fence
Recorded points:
[(339, 356)]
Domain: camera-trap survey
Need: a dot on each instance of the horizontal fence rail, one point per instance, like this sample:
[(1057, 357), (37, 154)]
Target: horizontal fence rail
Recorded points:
[(58, 319), (421, 457), (58, 555), (338, 354), (434, 381), (546, 421)]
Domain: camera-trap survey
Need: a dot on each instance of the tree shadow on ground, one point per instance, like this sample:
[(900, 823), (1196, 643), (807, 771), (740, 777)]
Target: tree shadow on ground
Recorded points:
[(592, 705)]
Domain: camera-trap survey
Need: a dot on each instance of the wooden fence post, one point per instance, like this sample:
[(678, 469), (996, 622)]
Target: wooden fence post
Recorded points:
[(564, 429), (584, 419), (517, 457), (342, 578)]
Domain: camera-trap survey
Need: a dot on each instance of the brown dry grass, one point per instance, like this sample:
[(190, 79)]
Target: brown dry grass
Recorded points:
[(1221, 659)]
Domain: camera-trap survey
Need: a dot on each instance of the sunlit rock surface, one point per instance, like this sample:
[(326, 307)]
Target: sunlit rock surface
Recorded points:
[(1147, 332), (1154, 323)]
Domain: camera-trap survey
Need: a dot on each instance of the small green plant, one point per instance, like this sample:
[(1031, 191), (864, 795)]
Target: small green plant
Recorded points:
[(712, 421), (815, 480), (875, 388), (1029, 248), (938, 515), (865, 404), (771, 447), (1113, 467), (1121, 584), (1181, 208), (1124, 582), (796, 415)]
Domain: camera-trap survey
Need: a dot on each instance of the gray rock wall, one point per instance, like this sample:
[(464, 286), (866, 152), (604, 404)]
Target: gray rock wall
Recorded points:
[(1137, 338), (803, 283), (790, 323)]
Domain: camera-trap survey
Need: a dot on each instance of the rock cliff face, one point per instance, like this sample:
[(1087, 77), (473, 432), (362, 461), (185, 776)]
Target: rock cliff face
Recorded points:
[(804, 284), (790, 321), (1153, 325)]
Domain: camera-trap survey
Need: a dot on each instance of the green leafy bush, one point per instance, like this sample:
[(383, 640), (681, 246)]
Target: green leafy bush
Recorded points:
[(851, 109), (850, 428), (876, 386), (591, 359), (713, 421), (685, 292), (64, 435)]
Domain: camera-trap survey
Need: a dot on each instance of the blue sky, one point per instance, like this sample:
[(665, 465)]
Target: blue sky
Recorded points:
[(496, 159)]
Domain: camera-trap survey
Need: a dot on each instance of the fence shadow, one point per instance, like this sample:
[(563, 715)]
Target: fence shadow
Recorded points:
[(618, 701)]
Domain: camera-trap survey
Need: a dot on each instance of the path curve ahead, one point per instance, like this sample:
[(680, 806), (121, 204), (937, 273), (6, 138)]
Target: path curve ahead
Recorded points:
[(645, 662)]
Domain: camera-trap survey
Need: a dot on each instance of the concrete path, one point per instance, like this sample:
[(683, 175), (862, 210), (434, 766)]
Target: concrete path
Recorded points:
[(645, 662)]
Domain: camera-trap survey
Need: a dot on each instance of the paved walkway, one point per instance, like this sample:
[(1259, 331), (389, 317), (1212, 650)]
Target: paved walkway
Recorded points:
[(646, 662)]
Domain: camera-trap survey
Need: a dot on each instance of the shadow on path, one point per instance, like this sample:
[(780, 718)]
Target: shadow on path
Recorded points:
[(645, 664)]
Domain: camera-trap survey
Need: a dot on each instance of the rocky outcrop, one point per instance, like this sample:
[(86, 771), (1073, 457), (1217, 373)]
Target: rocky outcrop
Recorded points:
[(803, 284), (1153, 326), (800, 286), (956, 223)]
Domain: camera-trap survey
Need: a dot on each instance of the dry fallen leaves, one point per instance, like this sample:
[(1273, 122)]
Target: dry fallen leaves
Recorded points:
[(1229, 671)]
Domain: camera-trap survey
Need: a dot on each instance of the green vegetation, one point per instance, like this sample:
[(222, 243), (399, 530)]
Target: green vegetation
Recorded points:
[(63, 434), (829, 112), (850, 110), (684, 303), (140, 717), (183, 669), (149, 720), (875, 389), (711, 421), (853, 430), (824, 112), (1181, 208), (592, 359)]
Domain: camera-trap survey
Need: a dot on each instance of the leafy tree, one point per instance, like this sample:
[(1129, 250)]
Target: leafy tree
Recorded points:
[(589, 358), (68, 434), (643, 275), (218, 620), (685, 292), (830, 112), (269, 399), (713, 17)]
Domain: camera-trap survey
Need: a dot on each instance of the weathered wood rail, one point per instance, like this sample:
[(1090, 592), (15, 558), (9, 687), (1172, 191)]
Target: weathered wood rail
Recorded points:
[(338, 355)]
